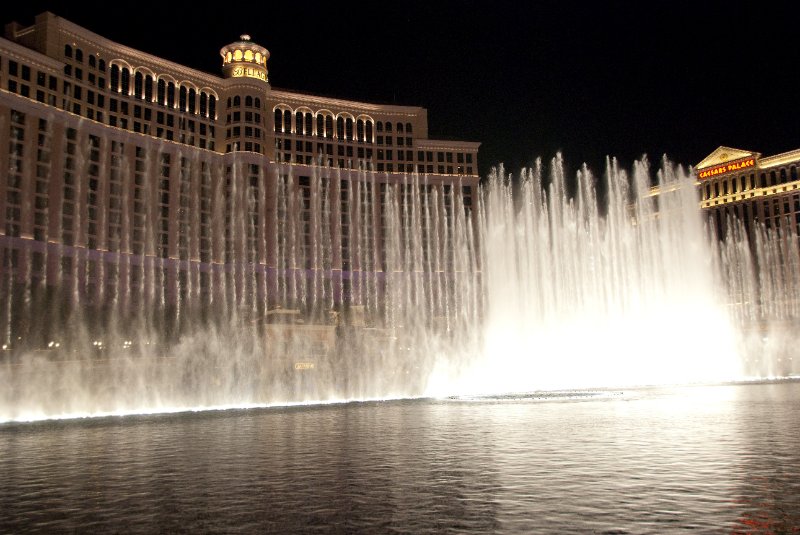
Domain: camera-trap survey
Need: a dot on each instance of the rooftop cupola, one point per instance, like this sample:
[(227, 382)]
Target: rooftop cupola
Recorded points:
[(245, 59)]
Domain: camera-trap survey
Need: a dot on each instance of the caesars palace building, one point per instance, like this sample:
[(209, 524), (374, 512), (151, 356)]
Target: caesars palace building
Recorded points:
[(744, 185), (117, 158)]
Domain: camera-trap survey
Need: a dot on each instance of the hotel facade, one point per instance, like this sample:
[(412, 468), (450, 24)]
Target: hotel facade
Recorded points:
[(130, 179), (751, 188)]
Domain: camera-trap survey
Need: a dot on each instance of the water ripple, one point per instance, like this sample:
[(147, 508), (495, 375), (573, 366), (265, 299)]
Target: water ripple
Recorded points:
[(709, 459)]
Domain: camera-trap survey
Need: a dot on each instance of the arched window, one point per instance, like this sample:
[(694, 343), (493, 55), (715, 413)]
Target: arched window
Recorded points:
[(408, 128), (369, 132), (79, 55), (125, 79), (360, 130), (329, 126), (309, 120), (229, 102), (138, 85), (114, 78), (340, 128), (248, 101), (171, 95), (278, 120), (298, 123), (257, 103), (182, 98), (287, 121), (212, 107), (192, 100), (783, 175), (388, 126), (237, 101), (162, 92), (148, 88), (793, 173), (203, 104), (399, 128), (348, 129), (320, 125), (101, 64), (379, 126), (67, 51), (92, 61)]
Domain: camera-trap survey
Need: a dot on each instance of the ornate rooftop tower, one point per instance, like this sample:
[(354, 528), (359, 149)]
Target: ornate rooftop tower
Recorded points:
[(245, 59)]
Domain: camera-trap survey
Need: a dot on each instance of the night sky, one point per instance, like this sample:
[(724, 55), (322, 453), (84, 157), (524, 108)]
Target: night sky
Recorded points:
[(526, 79)]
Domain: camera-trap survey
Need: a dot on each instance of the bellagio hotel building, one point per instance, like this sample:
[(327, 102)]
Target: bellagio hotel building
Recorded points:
[(113, 158)]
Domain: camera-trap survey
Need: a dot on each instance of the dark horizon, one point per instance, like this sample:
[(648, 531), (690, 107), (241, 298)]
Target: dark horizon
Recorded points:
[(526, 81)]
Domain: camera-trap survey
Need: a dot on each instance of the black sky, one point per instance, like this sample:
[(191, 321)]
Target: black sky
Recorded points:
[(526, 79)]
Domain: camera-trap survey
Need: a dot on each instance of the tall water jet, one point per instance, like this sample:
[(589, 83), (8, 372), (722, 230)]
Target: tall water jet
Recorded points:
[(631, 291), (534, 283)]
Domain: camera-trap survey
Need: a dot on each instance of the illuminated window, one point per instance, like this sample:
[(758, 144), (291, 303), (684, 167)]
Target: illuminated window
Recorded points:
[(237, 55), (258, 57), (248, 55)]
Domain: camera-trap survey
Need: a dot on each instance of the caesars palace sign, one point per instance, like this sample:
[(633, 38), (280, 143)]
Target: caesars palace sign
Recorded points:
[(726, 168)]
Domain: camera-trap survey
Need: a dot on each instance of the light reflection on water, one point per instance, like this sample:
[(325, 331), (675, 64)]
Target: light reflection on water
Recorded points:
[(722, 458)]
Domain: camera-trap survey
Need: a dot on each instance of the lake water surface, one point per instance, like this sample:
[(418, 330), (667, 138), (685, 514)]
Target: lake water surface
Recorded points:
[(656, 460)]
